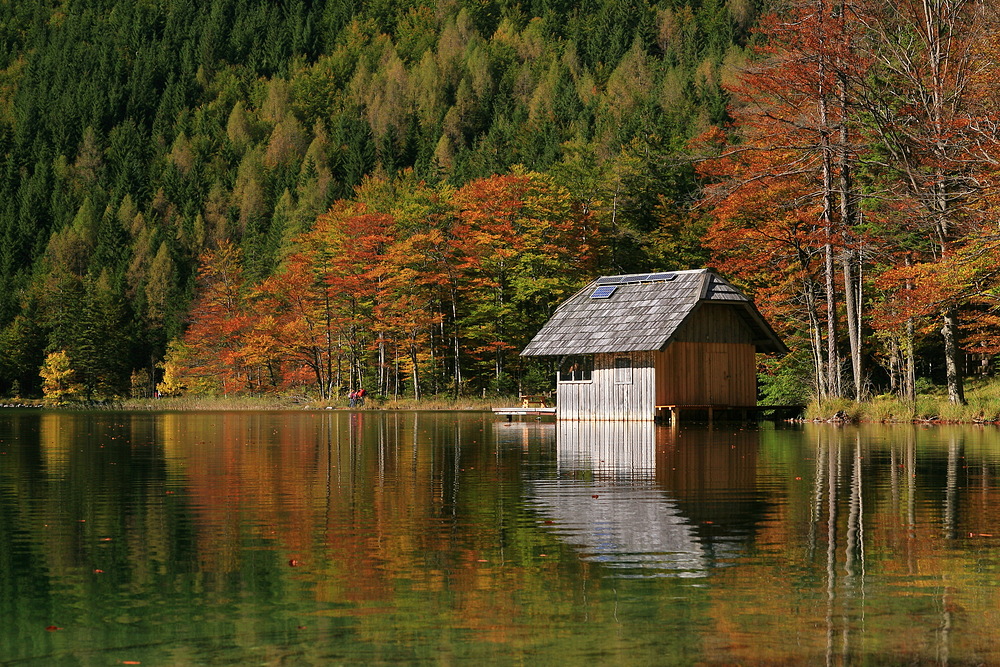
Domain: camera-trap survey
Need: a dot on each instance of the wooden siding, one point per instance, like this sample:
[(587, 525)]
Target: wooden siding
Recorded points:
[(706, 374), (606, 396), (714, 323)]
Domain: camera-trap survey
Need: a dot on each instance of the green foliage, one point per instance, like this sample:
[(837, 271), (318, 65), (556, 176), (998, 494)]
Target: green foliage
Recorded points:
[(786, 380), (21, 353), (136, 136)]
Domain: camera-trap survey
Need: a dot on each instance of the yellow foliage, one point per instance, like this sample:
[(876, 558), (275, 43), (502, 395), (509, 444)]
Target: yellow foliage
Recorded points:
[(59, 383)]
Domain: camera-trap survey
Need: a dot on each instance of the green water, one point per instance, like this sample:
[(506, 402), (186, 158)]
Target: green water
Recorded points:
[(319, 538)]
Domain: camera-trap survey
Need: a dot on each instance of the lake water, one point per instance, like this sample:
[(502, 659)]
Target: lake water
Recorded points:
[(316, 538)]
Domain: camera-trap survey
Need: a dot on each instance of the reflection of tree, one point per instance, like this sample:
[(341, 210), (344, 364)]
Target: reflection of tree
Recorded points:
[(410, 537), (874, 559), (378, 510)]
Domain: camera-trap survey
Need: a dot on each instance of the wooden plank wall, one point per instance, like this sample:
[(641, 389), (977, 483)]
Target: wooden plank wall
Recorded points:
[(707, 374), (606, 398), (714, 323), (694, 463)]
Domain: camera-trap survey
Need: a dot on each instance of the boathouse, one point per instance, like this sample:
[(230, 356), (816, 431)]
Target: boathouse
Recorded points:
[(630, 347)]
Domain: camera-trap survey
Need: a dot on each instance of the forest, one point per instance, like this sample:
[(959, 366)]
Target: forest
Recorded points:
[(240, 196)]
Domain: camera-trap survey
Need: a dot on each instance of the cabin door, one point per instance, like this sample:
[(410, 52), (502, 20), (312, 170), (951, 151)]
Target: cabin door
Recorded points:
[(718, 378)]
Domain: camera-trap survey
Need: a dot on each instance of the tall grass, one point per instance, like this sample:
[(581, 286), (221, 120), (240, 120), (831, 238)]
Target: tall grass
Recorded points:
[(240, 402), (982, 405), (211, 403), (445, 403)]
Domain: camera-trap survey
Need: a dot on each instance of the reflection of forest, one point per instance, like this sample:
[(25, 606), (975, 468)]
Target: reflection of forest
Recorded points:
[(837, 542), (333, 509), (884, 548), (393, 514)]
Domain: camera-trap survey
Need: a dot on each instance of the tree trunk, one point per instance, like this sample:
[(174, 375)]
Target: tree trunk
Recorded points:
[(895, 367), (953, 361), (316, 366), (817, 340), (416, 371), (910, 388), (853, 325), (832, 356), (383, 366), (911, 361), (340, 364), (852, 295), (456, 349)]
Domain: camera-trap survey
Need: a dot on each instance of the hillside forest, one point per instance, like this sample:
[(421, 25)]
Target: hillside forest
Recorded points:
[(241, 196)]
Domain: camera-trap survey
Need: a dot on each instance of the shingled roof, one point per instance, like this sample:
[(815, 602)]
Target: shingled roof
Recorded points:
[(641, 312)]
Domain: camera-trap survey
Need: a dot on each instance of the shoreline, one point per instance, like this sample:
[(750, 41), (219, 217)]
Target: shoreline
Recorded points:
[(982, 407), (254, 403)]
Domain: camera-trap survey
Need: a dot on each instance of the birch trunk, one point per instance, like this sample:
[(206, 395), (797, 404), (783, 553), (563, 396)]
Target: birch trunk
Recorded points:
[(832, 356), (953, 357)]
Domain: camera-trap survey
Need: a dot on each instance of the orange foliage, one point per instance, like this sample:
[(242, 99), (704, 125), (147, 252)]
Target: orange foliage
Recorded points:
[(364, 290)]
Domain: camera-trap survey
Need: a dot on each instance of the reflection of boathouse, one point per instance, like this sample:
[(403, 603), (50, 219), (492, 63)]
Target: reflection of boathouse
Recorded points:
[(620, 497), (628, 344)]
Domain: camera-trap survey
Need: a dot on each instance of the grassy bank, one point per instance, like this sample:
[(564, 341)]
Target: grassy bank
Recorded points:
[(225, 403), (982, 405)]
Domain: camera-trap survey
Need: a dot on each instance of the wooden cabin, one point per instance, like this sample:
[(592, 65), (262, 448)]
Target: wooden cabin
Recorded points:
[(631, 345)]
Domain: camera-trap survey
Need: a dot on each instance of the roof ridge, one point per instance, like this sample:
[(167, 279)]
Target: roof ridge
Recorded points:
[(655, 273)]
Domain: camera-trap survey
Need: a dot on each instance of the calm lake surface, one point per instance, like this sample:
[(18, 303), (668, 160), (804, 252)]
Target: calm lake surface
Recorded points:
[(315, 538)]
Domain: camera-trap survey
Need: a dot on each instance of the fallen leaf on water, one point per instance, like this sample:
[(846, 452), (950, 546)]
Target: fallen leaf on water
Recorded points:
[(131, 662)]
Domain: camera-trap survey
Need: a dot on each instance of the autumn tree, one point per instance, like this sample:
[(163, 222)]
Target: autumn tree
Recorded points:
[(793, 138), (219, 322), (521, 246), (926, 106), (59, 382)]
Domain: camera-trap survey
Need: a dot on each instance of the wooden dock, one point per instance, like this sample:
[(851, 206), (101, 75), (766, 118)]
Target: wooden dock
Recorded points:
[(510, 413), (672, 413)]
